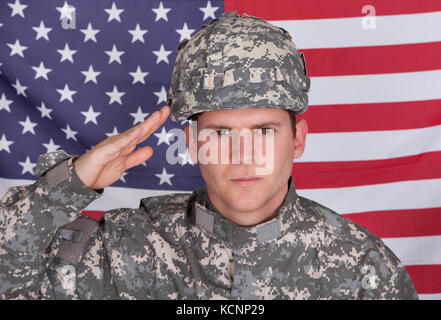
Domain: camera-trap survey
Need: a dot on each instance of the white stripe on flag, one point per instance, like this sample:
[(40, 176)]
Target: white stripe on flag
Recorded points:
[(349, 32), (373, 88), (370, 145), (416, 250), (430, 296), (415, 194)]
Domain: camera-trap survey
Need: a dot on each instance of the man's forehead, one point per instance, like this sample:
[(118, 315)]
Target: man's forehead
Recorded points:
[(249, 117)]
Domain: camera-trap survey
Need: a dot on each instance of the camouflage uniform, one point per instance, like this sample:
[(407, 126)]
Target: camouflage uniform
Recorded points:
[(179, 247)]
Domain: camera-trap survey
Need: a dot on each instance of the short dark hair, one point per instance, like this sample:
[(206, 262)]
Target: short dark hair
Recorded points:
[(292, 118)]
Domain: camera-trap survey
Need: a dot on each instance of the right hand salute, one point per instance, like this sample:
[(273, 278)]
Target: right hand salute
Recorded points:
[(106, 162)]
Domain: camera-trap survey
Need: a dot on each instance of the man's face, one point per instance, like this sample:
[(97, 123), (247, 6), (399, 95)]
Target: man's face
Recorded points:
[(238, 187)]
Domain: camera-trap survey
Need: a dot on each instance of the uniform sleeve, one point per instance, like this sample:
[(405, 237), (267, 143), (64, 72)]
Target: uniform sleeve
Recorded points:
[(383, 276), (30, 215)]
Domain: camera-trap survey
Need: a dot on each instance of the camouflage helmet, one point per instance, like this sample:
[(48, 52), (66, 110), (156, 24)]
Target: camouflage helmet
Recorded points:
[(237, 62)]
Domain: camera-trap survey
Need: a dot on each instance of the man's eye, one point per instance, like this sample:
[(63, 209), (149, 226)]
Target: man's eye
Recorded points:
[(263, 131), (223, 132)]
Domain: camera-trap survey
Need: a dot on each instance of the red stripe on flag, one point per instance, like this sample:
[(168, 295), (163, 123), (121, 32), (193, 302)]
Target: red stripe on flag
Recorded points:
[(338, 174), (373, 116), (426, 278), (373, 59), (324, 9), (93, 214), (400, 223)]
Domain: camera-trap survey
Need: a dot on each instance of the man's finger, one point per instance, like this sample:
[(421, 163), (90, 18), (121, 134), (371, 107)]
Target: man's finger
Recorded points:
[(164, 113), (137, 157), (122, 141)]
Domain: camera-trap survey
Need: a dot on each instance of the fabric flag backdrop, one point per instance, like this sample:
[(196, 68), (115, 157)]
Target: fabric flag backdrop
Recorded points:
[(75, 72)]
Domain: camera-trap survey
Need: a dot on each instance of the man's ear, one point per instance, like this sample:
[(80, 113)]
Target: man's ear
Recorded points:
[(191, 143), (300, 140)]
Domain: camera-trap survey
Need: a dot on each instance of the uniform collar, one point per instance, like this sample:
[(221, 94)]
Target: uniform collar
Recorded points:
[(205, 216)]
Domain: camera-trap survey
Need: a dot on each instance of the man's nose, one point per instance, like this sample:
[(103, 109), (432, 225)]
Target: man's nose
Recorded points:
[(242, 147)]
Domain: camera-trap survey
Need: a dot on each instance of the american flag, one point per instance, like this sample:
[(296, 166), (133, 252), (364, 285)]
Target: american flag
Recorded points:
[(73, 72)]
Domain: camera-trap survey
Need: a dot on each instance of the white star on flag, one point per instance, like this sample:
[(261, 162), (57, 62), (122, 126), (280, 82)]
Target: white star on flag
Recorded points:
[(41, 71), (28, 166), (209, 11), (114, 55), (162, 54), (114, 133), (67, 53), (66, 93), (28, 126), (5, 103), (90, 75), (114, 13), (164, 177), (90, 33), (42, 31), (138, 34), (66, 11), (51, 147), (115, 95), (162, 95), (70, 134), (19, 88), (17, 48), (138, 75), (17, 8), (5, 143), (90, 115), (123, 177), (139, 116), (163, 136), (185, 32), (45, 112), (161, 12)]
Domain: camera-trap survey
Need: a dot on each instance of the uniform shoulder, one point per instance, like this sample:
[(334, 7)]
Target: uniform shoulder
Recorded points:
[(168, 204), (340, 227), (150, 208), (360, 251)]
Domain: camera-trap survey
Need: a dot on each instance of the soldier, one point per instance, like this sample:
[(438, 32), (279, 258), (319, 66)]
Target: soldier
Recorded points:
[(244, 236)]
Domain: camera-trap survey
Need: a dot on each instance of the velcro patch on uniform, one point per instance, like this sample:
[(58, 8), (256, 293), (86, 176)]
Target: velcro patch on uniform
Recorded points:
[(75, 236), (203, 219), (58, 174), (268, 231)]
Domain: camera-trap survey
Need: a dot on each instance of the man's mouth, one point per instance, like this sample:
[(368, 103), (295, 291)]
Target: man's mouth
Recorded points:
[(246, 181)]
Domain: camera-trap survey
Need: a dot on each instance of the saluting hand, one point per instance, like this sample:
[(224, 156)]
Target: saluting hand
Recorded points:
[(106, 162)]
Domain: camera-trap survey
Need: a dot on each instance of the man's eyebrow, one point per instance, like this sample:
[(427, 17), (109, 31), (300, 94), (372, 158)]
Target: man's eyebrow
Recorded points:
[(266, 124)]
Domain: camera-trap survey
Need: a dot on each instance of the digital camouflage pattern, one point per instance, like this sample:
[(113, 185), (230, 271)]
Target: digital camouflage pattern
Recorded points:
[(179, 247), (238, 62)]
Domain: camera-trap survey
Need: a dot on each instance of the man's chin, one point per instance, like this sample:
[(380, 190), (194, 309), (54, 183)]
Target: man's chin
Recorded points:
[(246, 203)]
